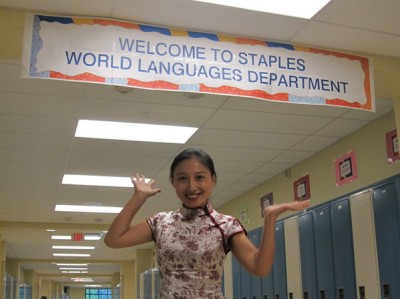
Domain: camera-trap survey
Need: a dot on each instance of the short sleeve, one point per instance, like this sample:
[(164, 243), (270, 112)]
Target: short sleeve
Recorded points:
[(154, 223), (231, 226)]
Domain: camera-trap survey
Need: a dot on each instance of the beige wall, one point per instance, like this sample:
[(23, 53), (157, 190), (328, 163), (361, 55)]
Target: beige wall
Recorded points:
[(369, 144)]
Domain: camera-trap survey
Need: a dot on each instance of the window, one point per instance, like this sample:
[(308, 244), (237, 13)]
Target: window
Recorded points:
[(98, 294)]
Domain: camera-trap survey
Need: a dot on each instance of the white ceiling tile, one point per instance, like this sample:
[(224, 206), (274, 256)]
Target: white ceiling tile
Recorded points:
[(341, 128), (266, 122)]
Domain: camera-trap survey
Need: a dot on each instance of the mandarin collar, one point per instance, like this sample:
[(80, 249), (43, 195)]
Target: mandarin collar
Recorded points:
[(190, 213)]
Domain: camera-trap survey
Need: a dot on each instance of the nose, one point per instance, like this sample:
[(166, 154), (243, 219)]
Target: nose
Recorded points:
[(191, 185)]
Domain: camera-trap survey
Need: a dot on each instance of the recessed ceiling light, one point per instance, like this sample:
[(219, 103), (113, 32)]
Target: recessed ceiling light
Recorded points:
[(73, 269), (133, 131), (72, 254), (94, 180), (71, 264), (73, 247), (59, 237), (87, 209), (292, 8)]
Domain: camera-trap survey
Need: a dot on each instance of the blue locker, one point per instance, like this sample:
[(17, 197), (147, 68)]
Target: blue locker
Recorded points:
[(386, 218), (323, 253), (307, 256), (279, 266), (255, 281), (236, 278), (245, 284), (342, 244)]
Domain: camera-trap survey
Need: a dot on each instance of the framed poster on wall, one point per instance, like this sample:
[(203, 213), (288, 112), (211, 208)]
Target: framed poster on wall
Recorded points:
[(346, 168), (392, 146), (266, 201), (301, 188)]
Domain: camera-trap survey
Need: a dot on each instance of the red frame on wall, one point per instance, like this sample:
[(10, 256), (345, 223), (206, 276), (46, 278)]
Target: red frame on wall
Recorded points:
[(301, 188)]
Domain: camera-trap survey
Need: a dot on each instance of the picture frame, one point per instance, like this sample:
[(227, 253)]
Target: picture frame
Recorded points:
[(301, 188), (265, 201), (392, 146), (346, 168)]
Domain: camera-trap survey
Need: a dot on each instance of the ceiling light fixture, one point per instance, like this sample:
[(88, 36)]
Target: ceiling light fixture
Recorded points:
[(87, 209), (133, 131), (66, 237), (94, 180), (73, 247), (72, 254), (292, 8)]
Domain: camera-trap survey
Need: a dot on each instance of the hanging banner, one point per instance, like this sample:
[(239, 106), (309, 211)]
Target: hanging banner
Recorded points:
[(142, 56)]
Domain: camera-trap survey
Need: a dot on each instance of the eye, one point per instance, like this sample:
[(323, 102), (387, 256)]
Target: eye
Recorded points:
[(181, 178), (200, 177)]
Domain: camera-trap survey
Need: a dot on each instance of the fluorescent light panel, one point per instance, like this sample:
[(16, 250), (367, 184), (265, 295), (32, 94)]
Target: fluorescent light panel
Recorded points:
[(72, 254), (89, 237), (72, 264), (93, 180), (133, 131), (87, 209), (73, 247), (292, 8)]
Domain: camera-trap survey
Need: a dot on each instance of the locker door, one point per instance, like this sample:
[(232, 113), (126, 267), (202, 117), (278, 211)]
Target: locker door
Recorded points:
[(255, 281), (365, 253), (307, 256), (342, 243), (279, 266), (387, 239), (293, 265), (236, 278), (323, 253)]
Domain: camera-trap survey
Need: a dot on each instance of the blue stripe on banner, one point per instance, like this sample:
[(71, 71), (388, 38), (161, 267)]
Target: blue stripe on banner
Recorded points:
[(147, 28), (210, 36), (61, 20), (280, 45)]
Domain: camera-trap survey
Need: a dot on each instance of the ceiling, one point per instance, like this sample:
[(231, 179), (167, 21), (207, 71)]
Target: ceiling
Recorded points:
[(250, 140)]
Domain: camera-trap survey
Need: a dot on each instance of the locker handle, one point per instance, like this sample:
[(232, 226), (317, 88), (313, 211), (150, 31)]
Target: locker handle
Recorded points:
[(254, 297), (290, 295), (277, 296), (386, 292), (305, 295), (322, 294), (265, 297), (361, 290), (341, 293)]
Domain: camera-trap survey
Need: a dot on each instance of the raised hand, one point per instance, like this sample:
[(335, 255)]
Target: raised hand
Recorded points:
[(143, 186), (276, 210)]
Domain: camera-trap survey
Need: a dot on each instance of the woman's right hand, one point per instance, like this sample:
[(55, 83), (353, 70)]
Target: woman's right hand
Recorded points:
[(143, 187)]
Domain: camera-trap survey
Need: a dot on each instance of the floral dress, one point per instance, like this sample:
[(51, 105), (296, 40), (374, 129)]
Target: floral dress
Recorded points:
[(191, 247)]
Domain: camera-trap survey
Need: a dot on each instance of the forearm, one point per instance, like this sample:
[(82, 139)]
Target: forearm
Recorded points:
[(264, 257)]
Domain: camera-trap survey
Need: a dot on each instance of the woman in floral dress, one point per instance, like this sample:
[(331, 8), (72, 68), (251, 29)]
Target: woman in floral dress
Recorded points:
[(193, 241)]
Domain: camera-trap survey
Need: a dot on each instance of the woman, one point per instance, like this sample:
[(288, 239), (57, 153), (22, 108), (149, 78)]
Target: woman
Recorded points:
[(192, 242)]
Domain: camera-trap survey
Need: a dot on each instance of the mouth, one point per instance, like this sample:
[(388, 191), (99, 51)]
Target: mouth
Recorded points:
[(193, 196)]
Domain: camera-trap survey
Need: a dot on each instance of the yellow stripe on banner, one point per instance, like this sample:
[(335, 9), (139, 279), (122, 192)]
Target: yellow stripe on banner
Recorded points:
[(82, 21), (301, 49), (224, 38), (177, 32)]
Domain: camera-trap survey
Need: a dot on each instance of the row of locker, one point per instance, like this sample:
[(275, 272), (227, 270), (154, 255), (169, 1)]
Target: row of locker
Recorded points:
[(344, 249), (148, 284)]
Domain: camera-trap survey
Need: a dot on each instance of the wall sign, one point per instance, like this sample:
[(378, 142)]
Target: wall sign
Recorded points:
[(134, 55), (301, 188), (346, 168), (392, 146)]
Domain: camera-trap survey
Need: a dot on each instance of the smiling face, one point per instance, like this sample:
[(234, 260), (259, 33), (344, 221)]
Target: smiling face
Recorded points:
[(193, 182)]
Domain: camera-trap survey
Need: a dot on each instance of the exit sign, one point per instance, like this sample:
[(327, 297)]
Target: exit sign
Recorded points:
[(77, 237)]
